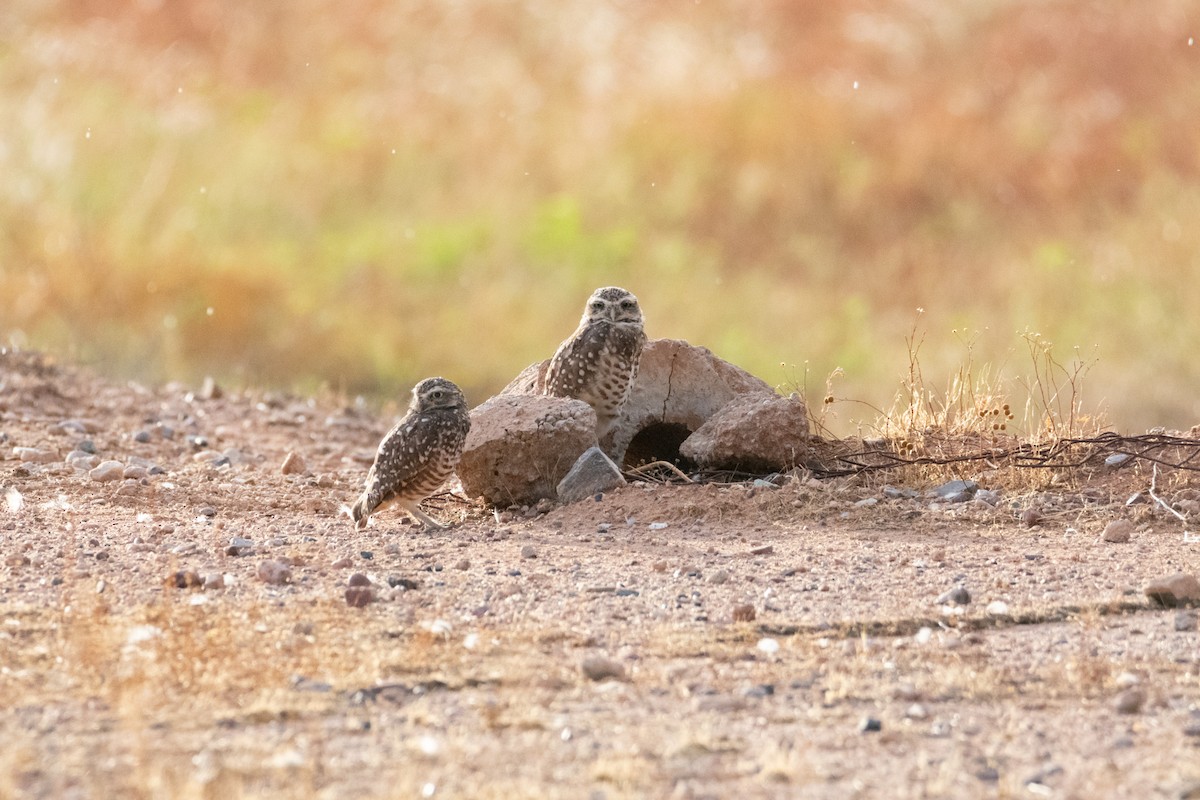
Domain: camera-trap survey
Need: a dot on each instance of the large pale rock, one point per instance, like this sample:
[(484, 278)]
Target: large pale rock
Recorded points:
[(521, 446), (593, 473), (678, 387), (1180, 589), (752, 433)]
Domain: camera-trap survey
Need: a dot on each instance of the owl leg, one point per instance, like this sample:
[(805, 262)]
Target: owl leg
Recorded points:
[(418, 514), (360, 512)]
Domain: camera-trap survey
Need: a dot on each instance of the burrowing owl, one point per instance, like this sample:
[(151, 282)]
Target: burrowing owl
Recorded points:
[(418, 454), (599, 362)]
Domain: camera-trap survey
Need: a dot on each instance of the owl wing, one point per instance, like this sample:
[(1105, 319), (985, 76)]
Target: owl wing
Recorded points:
[(573, 361), (402, 456)]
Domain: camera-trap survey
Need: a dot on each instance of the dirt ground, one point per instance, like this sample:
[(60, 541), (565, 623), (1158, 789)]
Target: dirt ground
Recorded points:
[(687, 641)]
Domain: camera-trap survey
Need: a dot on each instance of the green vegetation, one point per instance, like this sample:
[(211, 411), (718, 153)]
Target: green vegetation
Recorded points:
[(363, 194)]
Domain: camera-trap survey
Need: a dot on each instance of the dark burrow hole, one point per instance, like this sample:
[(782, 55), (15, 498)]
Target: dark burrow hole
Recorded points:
[(658, 442)]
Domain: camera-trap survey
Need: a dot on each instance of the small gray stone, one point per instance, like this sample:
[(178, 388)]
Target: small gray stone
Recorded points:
[(108, 471), (81, 460), (598, 668), (869, 725), (1185, 620), (239, 546), (79, 426), (274, 572), (142, 437), (958, 596), (956, 491), (1118, 531), (592, 473), (529, 551), (719, 577), (988, 496), (1130, 701), (893, 493)]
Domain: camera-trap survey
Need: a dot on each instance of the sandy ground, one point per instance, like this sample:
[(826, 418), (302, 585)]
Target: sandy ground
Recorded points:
[(710, 640)]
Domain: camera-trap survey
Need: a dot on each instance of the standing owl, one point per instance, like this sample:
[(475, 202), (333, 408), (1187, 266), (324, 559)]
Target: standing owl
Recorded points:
[(599, 362), (418, 454)]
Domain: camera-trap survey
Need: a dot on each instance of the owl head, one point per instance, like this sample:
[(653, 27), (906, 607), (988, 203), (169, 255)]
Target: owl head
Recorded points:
[(612, 304), (433, 393)]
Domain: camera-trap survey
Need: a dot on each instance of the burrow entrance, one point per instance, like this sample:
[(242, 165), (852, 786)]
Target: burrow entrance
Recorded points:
[(658, 441)]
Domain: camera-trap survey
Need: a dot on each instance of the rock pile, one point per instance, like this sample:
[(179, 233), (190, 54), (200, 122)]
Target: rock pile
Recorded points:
[(687, 405)]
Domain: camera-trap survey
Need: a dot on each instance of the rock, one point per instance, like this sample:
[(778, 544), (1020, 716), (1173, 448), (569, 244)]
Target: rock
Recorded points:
[(359, 594), (529, 551), (916, 711), (210, 389), (142, 437), (987, 496), (752, 433), (744, 613), (678, 387), (107, 471), (1185, 621), (762, 550), (404, 584), (33, 455), (293, 464), (1030, 517), (82, 460), (1130, 701), (768, 646), (520, 447), (869, 725), (955, 491), (598, 668), (593, 472), (1118, 531), (274, 572), (358, 579), (1174, 590), (997, 608), (185, 579), (958, 596), (239, 546), (214, 580), (80, 426), (719, 577)]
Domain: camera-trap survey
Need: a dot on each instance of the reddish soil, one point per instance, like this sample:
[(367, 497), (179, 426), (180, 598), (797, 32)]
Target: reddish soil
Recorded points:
[(749, 633)]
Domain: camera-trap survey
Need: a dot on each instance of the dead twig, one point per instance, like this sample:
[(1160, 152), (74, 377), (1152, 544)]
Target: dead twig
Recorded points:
[(640, 471)]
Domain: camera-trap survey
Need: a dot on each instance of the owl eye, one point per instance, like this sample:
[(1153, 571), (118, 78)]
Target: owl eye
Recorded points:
[(597, 305), (628, 304), (437, 394)]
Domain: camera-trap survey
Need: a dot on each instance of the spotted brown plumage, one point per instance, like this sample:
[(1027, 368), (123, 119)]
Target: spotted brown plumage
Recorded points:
[(599, 361), (418, 454)]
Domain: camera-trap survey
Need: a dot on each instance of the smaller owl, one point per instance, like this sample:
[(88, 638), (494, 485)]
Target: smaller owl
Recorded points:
[(418, 454), (599, 362)]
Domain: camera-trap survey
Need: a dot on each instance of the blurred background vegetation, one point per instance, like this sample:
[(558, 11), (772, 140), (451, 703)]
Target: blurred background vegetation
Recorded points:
[(361, 193)]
